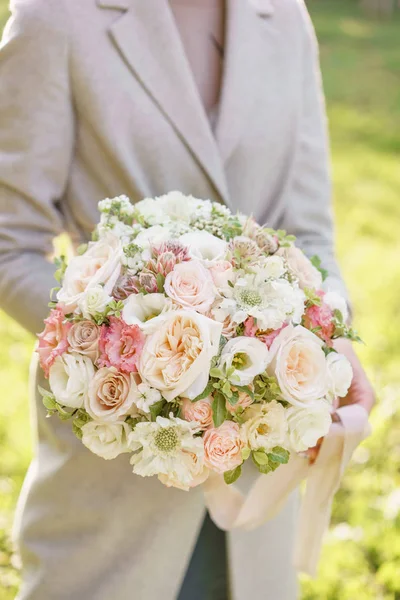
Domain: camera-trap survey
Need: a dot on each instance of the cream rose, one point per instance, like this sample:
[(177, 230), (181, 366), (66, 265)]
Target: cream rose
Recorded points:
[(247, 356), (99, 265), (299, 365), (302, 268), (340, 375), (307, 425), (110, 395), (191, 285), (69, 379), (83, 337), (107, 440), (176, 358), (200, 412), (223, 447), (198, 471), (265, 426)]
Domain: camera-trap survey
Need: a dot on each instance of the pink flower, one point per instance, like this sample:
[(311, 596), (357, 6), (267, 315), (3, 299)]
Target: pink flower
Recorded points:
[(120, 345), (222, 272), (223, 447), (180, 251), (191, 286), (53, 340), (251, 330), (320, 319), (199, 411)]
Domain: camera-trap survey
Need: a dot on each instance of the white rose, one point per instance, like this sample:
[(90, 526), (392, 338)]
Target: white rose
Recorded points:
[(151, 211), (100, 264), (176, 358), (299, 365), (336, 302), (69, 379), (307, 425), (265, 426), (107, 440), (302, 268), (94, 301), (272, 267), (340, 375), (153, 236), (177, 207), (204, 246), (248, 356), (140, 309)]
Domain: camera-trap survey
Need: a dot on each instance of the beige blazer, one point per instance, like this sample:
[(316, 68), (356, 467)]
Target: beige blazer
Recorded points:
[(97, 99)]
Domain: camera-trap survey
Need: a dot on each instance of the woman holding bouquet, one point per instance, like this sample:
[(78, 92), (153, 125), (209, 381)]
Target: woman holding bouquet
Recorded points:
[(221, 100)]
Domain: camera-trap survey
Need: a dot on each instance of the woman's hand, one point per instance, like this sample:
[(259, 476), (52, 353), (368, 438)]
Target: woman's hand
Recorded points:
[(361, 391)]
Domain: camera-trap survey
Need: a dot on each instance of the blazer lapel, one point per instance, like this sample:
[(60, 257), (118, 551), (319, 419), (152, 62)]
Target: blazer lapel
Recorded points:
[(148, 40), (248, 67)]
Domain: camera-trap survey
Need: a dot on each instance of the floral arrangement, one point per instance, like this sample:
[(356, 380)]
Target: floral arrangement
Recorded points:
[(193, 339)]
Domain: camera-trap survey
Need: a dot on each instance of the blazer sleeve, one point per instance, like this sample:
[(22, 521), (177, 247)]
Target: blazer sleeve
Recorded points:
[(36, 139), (308, 194)]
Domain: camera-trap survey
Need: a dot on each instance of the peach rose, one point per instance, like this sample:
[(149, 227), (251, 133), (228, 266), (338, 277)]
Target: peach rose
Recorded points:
[(299, 365), (53, 340), (191, 285), (199, 411), (99, 265), (176, 357), (301, 267), (223, 447), (83, 337), (110, 396), (244, 402)]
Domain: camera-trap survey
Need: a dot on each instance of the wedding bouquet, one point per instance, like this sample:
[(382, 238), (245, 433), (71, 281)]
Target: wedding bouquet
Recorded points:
[(193, 339)]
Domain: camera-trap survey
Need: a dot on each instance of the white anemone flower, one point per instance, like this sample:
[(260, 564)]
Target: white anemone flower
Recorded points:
[(270, 302), (247, 356), (167, 447), (140, 309)]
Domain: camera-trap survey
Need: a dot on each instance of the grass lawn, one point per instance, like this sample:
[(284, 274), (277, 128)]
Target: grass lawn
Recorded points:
[(361, 69)]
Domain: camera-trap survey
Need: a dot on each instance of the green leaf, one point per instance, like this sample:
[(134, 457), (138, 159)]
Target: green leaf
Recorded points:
[(232, 476), (215, 372), (226, 389), (246, 453), (220, 412), (234, 398), (49, 403), (265, 469), (260, 457), (316, 261), (77, 430), (205, 393), (279, 455), (156, 409), (160, 282), (246, 389)]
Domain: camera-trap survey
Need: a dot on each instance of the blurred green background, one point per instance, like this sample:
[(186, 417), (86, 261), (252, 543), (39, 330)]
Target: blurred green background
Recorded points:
[(361, 69)]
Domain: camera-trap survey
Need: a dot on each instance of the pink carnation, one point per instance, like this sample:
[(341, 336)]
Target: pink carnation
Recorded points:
[(320, 319), (53, 339), (120, 345), (251, 330)]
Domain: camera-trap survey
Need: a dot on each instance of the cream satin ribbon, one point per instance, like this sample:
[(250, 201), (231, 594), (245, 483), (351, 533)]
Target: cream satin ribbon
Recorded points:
[(230, 509)]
